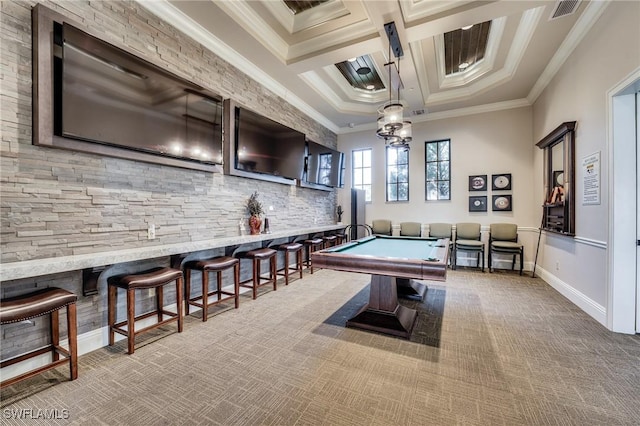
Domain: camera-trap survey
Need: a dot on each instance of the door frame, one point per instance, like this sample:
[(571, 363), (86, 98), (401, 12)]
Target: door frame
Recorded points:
[(622, 297)]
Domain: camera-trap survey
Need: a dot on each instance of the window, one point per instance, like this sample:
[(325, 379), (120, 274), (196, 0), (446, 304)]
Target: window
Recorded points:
[(361, 171), (438, 170), (397, 174)]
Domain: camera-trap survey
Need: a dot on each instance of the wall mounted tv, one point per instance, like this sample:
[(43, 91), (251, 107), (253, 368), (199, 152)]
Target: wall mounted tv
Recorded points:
[(265, 148), (108, 101), (323, 166)]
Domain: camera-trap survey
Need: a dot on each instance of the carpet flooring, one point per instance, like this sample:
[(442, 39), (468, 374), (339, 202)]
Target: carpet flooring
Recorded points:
[(487, 349)]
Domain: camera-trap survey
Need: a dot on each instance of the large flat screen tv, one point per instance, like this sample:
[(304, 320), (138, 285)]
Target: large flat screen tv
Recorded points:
[(324, 165), (265, 146), (108, 101)]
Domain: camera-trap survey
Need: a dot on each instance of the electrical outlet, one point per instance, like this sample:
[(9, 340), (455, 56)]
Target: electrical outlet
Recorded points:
[(270, 208), (151, 232), (557, 265)]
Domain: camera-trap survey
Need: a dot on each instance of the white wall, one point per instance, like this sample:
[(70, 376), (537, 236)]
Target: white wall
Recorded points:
[(607, 55)]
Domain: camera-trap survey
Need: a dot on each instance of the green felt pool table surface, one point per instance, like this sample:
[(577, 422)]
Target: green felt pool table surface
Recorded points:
[(396, 247)]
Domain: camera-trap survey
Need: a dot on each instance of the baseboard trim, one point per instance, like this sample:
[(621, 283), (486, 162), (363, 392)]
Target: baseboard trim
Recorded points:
[(593, 309)]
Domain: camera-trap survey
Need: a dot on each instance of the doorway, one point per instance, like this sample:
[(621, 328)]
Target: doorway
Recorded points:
[(623, 306)]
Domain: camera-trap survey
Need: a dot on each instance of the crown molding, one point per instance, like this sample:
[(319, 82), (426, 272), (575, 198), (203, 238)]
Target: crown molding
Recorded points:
[(164, 10), (580, 29)]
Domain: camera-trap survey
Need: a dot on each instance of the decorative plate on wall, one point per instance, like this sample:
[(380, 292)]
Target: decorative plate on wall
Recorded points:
[(478, 203), (502, 203), (501, 182), (478, 183)]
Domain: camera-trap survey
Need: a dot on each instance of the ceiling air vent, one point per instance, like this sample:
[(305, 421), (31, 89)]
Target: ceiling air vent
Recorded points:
[(564, 8), (418, 112)]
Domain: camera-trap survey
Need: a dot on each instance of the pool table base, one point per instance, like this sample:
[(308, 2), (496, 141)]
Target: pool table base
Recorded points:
[(411, 289), (383, 313)]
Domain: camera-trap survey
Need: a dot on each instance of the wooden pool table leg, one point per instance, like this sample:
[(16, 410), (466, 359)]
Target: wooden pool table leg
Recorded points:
[(411, 289), (383, 313)]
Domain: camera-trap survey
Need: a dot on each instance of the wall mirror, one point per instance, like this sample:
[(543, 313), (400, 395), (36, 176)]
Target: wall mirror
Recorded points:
[(558, 213)]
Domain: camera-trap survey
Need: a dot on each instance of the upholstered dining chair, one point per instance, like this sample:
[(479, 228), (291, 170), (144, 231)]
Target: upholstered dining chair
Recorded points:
[(468, 239), (442, 230), (381, 227), (503, 239), (411, 229)]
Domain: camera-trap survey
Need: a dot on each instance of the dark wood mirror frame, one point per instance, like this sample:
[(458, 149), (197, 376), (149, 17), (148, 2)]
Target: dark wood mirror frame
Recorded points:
[(559, 204)]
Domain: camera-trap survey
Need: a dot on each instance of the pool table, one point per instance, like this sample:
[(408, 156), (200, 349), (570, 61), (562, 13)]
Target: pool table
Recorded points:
[(394, 263)]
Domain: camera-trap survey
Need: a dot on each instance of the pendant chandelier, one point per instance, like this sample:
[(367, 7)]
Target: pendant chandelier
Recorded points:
[(391, 124)]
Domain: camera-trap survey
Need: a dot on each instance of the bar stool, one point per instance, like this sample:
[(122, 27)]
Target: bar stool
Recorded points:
[(35, 304), (329, 241), (312, 245), (155, 278), (291, 248), (218, 265), (341, 237), (257, 256)]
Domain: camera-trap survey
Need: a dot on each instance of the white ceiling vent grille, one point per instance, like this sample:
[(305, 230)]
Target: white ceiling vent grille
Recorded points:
[(564, 8)]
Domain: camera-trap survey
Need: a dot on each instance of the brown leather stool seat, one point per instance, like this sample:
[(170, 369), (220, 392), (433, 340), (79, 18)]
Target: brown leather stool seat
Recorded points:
[(35, 304), (291, 248), (155, 278), (329, 240), (257, 256), (218, 265), (312, 245)]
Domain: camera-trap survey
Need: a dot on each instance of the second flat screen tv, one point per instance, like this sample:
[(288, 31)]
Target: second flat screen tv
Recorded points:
[(267, 147), (324, 165)]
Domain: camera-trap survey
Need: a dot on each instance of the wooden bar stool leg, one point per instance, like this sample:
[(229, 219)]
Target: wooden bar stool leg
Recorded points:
[(72, 336), (286, 267), (187, 289), (236, 283), (179, 297), (131, 321), (111, 311), (205, 292), (219, 285), (299, 261), (55, 334), (256, 277), (159, 301), (273, 271)]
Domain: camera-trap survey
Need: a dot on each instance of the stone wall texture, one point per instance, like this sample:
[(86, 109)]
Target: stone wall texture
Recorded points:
[(58, 203)]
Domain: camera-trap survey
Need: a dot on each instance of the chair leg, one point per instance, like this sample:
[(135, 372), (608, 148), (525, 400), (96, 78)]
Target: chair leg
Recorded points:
[(273, 272), (299, 261), (187, 289), (205, 292), (72, 337), (286, 267), (179, 298), (482, 255), (236, 283), (159, 301), (131, 321), (490, 260), (111, 311), (55, 334), (256, 277), (521, 260)]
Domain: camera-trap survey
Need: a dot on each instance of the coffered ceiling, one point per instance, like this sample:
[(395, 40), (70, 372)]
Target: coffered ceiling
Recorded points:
[(295, 54)]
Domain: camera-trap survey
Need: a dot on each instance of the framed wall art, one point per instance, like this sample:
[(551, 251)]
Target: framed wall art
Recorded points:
[(478, 203), (478, 183), (501, 203), (501, 182)]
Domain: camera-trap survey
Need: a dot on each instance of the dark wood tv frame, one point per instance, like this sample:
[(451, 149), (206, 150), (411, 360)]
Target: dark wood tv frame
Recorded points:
[(42, 19)]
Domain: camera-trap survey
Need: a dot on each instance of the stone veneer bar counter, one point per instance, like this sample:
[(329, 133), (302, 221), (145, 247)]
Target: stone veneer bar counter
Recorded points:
[(39, 267)]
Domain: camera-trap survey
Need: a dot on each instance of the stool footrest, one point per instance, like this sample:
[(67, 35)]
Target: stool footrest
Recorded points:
[(35, 372), (118, 326)]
